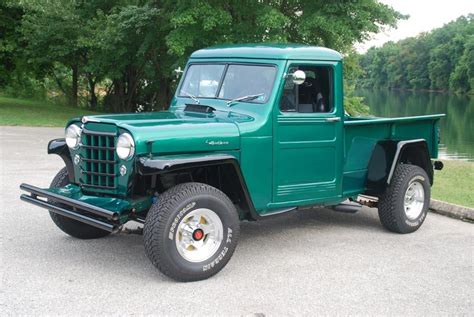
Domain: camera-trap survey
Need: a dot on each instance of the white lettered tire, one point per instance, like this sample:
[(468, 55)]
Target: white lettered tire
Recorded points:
[(191, 232), (404, 204)]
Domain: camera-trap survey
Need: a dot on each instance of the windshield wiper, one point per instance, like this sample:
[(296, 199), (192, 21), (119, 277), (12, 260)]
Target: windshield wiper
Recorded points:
[(191, 96), (244, 98)]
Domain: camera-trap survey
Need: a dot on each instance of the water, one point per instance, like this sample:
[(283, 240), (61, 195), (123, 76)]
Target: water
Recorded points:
[(457, 131)]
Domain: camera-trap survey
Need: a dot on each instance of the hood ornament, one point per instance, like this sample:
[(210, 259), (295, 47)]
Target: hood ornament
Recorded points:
[(86, 119)]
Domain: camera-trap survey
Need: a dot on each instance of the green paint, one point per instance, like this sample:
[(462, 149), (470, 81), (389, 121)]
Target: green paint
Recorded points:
[(287, 159), (121, 206)]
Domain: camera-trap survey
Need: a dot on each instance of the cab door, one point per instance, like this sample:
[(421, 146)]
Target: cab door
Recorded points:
[(308, 143)]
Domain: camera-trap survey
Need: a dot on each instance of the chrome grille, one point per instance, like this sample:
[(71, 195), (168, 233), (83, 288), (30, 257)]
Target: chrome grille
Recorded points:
[(99, 160)]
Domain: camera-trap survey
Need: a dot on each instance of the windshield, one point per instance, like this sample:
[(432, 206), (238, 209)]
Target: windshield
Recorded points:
[(229, 82)]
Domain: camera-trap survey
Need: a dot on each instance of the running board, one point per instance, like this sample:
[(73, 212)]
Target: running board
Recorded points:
[(279, 212), (349, 207)]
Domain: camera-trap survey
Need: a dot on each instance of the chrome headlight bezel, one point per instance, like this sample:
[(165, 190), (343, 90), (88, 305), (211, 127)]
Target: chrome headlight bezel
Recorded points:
[(73, 136), (125, 147)]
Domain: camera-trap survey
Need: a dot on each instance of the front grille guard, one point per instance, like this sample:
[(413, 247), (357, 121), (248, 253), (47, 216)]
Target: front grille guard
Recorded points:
[(99, 162)]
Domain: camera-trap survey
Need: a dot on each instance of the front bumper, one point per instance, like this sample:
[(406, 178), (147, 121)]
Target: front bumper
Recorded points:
[(77, 206)]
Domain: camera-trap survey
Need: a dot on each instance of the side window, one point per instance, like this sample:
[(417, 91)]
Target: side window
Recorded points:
[(313, 95)]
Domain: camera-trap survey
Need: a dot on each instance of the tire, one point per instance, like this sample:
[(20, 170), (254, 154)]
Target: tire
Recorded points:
[(176, 218), (408, 181), (72, 227)]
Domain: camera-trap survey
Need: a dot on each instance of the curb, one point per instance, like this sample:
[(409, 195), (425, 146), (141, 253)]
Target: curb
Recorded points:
[(452, 210)]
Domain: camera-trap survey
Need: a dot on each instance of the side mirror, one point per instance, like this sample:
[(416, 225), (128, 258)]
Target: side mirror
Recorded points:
[(298, 77)]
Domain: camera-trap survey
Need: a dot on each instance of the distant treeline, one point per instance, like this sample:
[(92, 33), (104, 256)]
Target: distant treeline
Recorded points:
[(441, 60)]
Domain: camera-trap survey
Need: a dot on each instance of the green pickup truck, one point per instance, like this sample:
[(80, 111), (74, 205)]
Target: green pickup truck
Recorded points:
[(252, 131)]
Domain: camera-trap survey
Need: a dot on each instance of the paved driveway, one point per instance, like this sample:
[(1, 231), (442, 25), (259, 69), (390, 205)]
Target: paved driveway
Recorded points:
[(309, 262)]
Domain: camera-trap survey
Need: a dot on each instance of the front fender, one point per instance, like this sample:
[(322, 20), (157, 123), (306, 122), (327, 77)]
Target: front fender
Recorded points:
[(59, 147), (165, 164), (162, 164)]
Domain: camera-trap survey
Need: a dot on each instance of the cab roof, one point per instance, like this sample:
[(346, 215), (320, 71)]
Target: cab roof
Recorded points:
[(269, 51)]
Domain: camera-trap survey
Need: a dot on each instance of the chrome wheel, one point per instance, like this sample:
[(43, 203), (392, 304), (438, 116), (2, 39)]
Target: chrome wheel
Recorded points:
[(199, 235), (414, 200)]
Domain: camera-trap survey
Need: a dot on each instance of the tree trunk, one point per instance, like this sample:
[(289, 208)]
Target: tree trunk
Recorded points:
[(164, 94), (75, 79), (92, 95)]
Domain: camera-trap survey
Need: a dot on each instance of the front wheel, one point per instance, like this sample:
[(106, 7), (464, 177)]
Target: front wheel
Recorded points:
[(191, 232), (404, 204), (72, 227)]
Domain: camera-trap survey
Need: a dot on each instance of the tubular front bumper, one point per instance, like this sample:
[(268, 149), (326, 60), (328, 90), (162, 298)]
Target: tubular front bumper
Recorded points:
[(71, 208)]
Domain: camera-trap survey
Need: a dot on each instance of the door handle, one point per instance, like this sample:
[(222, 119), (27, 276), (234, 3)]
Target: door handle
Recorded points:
[(333, 119)]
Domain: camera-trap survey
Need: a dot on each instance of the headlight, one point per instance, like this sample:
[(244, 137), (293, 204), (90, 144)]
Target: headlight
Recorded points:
[(73, 136), (125, 146)]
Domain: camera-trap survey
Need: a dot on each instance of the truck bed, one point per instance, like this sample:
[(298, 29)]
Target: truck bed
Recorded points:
[(361, 134)]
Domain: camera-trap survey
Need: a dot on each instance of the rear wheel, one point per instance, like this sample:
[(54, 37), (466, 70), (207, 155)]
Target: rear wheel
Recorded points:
[(191, 232), (404, 204), (72, 227)]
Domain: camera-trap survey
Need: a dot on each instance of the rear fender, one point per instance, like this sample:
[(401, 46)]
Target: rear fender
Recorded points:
[(387, 154), (59, 147), (413, 152)]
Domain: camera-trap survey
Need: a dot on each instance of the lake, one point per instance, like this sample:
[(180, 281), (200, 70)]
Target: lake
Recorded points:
[(457, 130)]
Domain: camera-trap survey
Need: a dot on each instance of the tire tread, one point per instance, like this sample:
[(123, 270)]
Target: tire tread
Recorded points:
[(161, 211), (389, 200)]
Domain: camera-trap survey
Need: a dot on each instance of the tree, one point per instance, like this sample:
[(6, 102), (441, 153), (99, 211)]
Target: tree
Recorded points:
[(9, 40), (439, 60), (462, 78), (133, 46)]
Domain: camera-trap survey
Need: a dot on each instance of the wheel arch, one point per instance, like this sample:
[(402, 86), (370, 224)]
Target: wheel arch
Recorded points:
[(59, 147), (387, 154), (222, 171)]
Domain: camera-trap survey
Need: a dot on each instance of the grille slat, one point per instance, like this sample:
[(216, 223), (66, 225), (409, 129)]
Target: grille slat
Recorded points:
[(99, 160), (98, 186), (98, 173), (98, 147)]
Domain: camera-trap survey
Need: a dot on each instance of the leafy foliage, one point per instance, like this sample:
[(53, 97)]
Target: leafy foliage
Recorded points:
[(439, 60), (121, 54)]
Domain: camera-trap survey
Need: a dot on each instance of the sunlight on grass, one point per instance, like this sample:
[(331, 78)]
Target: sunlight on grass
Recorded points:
[(25, 112), (455, 183)]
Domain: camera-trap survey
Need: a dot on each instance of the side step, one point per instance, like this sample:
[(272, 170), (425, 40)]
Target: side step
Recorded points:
[(70, 208)]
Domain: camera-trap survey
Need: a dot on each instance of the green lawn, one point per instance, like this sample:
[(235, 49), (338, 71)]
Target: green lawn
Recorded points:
[(27, 112), (455, 183)]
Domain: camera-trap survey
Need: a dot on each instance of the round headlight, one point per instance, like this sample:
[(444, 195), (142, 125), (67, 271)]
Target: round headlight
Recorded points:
[(73, 136), (125, 146)]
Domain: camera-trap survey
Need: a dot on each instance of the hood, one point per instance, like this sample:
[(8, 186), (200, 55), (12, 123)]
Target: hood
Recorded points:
[(169, 132)]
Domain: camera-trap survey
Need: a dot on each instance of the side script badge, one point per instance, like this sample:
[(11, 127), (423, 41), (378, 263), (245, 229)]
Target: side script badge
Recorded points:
[(217, 142)]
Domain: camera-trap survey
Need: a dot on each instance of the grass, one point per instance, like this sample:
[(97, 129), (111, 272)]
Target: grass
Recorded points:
[(455, 183), (34, 113)]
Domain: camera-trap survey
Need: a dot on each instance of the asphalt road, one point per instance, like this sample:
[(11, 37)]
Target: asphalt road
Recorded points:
[(316, 261)]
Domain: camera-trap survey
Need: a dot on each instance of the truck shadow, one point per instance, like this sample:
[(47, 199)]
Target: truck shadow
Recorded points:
[(322, 220), (125, 252)]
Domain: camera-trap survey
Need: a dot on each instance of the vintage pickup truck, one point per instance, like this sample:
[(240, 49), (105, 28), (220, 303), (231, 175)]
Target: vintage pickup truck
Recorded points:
[(252, 131)]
